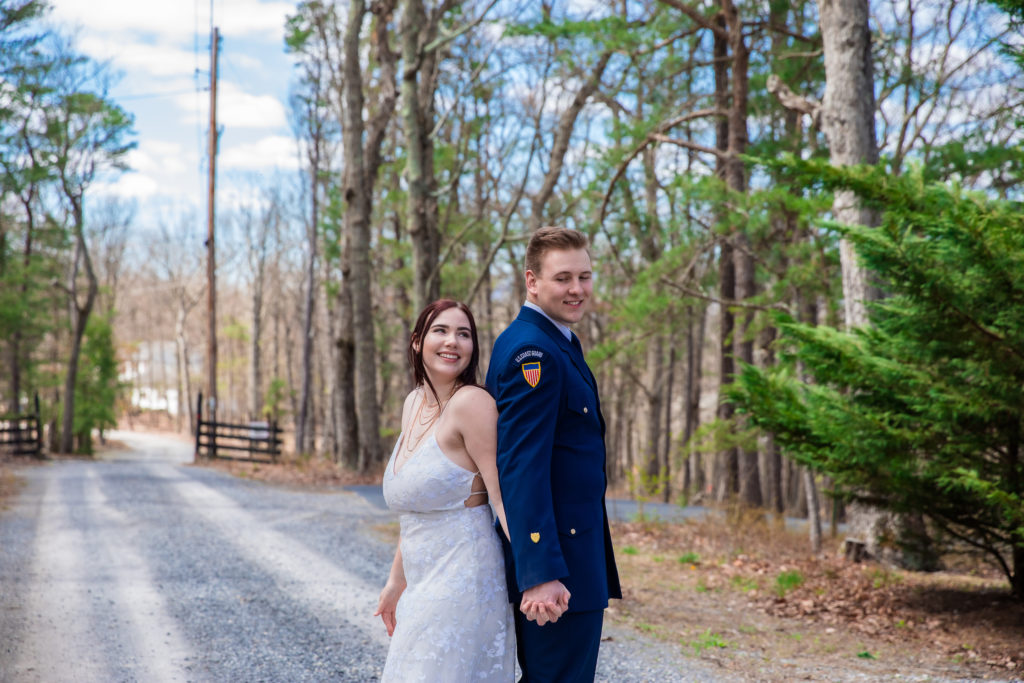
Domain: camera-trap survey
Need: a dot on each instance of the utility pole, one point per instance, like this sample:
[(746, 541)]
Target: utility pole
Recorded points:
[(211, 253)]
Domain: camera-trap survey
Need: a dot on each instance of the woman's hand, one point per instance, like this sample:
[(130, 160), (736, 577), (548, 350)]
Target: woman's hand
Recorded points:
[(387, 604)]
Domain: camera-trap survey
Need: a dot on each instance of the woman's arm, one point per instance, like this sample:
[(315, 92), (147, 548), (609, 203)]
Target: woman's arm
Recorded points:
[(478, 422), (396, 583), (392, 592)]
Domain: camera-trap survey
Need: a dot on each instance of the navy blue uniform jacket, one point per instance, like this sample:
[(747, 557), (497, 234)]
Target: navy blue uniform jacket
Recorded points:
[(551, 464)]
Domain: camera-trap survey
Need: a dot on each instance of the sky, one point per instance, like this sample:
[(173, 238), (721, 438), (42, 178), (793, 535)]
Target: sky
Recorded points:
[(159, 53)]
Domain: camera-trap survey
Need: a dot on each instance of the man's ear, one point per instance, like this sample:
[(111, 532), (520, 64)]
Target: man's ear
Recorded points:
[(531, 282)]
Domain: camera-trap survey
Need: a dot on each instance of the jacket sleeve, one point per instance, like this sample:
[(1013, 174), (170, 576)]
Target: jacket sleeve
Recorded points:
[(528, 390)]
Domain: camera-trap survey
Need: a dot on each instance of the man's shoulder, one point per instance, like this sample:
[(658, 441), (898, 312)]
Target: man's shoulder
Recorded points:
[(523, 337)]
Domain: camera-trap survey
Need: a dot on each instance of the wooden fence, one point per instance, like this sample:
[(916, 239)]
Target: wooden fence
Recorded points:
[(22, 434), (253, 441)]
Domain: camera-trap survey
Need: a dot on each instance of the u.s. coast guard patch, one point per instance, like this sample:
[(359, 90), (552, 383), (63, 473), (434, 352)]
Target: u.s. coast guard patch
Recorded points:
[(531, 371)]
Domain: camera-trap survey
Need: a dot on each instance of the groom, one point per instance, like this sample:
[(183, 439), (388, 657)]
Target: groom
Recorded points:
[(551, 467)]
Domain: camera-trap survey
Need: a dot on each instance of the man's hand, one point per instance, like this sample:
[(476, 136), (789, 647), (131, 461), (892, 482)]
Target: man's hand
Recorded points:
[(545, 602)]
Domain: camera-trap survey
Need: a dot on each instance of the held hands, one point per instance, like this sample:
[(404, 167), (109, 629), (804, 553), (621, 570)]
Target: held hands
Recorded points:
[(545, 602), (387, 604)]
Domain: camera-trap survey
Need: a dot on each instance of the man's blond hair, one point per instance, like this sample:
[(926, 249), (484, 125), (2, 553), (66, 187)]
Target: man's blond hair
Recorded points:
[(552, 238)]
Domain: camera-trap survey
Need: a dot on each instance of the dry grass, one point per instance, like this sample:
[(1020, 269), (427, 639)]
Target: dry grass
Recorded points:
[(306, 472), (748, 596)]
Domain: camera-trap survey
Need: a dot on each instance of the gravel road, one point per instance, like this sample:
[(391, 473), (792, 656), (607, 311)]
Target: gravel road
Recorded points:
[(138, 567)]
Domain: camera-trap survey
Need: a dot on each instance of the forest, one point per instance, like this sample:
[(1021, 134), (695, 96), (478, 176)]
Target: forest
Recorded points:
[(804, 217)]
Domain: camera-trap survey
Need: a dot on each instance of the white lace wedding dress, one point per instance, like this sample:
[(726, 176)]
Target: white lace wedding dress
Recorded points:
[(454, 620)]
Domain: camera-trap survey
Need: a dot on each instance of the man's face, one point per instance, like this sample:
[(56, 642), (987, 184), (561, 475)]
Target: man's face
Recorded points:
[(563, 285)]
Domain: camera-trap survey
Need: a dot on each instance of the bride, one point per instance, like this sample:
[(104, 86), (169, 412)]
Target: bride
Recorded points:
[(445, 604)]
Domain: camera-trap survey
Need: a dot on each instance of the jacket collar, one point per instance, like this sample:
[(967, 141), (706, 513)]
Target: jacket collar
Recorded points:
[(527, 314)]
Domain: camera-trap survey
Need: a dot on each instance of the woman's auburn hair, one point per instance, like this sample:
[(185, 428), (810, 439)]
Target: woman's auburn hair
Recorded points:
[(426, 318)]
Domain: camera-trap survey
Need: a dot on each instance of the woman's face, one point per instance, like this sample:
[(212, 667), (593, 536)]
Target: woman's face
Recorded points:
[(447, 346)]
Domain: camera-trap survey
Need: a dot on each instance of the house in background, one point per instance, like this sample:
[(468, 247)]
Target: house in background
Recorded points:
[(154, 379)]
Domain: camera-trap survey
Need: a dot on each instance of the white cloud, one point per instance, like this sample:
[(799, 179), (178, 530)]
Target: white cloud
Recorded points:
[(245, 110), (158, 157), (174, 19), (276, 151), (236, 108), (155, 60), (156, 49), (129, 186)]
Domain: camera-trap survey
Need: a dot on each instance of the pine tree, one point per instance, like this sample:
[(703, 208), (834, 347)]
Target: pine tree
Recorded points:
[(923, 410)]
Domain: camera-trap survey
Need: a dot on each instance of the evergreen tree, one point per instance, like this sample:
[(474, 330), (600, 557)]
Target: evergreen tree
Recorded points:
[(922, 410), (96, 386)]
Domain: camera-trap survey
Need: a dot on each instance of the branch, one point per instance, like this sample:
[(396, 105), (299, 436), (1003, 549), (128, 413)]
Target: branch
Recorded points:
[(626, 368), (562, 137), (790, 100), (449, 37), (687, 144), (657, 135), (486, 264), (731, 303), (698, 18)]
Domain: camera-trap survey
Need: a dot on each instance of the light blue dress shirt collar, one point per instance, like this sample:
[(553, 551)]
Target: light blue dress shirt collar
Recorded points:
[(564, 329)]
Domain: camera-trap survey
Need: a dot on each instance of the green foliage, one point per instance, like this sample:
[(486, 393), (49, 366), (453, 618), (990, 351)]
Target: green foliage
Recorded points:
[(1015, 13), (96, 386), (787, 581), (707, 640), (923, 410), (881, 578), (689, 558), (744, 584), (275, 399), (611, 26), (968, 159), (644, 486)]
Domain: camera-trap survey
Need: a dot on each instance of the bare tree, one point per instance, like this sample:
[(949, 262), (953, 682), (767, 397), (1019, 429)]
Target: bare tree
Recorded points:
[(361, 143), (91, 134)]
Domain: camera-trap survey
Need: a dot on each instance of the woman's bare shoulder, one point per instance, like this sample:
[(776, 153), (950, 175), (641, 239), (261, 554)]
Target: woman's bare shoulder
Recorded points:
[(410, 400), (473, 401)]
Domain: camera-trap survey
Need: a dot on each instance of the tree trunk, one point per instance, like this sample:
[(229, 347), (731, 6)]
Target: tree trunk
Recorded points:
[(255, 366), (725, 463), (657, 430), (418, 83), (256, 344), (667, 440), (749, 485), (813, 510), (1017, 580), (348, 421), (17, 337), (654, 394), (303, 423), (79, 319), (184, 377), (694, 377), (848, 120), (358, 186)]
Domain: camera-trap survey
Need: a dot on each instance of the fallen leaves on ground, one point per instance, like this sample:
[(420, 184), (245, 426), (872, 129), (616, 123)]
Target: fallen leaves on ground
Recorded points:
[(755, 584)]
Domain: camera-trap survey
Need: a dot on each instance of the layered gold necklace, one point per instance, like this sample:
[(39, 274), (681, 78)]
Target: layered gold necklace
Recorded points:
[(421, 424)]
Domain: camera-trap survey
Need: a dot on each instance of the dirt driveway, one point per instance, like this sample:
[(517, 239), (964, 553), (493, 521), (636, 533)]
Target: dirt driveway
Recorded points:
[(139, 567)]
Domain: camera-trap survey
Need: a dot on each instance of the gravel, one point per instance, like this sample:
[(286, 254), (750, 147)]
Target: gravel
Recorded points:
[(139, 567)]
